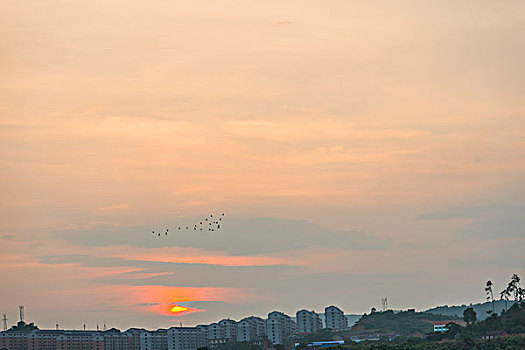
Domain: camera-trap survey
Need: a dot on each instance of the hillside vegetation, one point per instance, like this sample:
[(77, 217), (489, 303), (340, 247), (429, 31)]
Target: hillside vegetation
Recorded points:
[(509, 343), (402, 323), (480, 308)]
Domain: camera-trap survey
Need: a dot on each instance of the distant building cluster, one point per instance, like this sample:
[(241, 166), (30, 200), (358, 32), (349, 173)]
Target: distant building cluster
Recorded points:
[(274, 330)]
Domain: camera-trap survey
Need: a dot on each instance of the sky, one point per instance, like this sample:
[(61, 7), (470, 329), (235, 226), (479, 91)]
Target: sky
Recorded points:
[(359, 150)]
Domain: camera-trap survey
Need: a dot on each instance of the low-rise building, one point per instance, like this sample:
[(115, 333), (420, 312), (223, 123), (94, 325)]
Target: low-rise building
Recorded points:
[(440, 327)]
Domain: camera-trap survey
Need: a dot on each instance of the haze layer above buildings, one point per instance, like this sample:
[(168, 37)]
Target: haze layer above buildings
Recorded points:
[(359, 150)]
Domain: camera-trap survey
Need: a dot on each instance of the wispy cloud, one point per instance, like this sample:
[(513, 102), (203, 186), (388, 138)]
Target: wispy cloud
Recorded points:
[(114, 207), (237, 237)]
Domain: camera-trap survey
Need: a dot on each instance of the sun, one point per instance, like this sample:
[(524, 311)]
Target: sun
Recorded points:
[(179, 309)]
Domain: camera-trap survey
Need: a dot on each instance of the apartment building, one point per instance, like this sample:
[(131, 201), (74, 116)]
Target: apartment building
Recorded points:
[(187, 338), (335, 318), (279, 327), (154, 340), (308, 321), (229, 329), (251, 329)]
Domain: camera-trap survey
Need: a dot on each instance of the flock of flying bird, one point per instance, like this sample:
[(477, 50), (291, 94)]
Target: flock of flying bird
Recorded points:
[(211, 223)]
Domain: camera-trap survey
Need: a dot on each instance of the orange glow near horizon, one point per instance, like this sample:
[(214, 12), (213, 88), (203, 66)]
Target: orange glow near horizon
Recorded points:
[(167, 301)]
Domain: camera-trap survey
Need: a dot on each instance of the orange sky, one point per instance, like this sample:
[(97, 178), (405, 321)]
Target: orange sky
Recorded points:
[(330, 132)]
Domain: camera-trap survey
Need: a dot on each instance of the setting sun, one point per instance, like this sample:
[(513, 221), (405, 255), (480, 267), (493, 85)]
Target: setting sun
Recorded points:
[(178, 309)]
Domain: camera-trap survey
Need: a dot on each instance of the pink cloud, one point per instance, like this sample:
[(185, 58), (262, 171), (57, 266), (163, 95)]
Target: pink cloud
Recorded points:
[(114, 207)]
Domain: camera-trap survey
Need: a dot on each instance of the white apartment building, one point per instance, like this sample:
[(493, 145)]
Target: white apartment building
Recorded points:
[(251, 329), (224, 331), (279, 326), (229, 329), (187, 338), (117, 341), (154, 340), (135, 336), (335, 318), (308, 321)]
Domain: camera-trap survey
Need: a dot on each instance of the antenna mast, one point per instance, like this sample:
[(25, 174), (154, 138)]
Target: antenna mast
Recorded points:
[(4, 318), (21, 307), (384, 303)]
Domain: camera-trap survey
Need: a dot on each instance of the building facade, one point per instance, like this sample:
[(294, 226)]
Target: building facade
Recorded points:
[(154, 340), (279, 327), (187, 338), (229, 329), (66, 340), (80, 340), (308, 321), (335, 318), (251, 329)]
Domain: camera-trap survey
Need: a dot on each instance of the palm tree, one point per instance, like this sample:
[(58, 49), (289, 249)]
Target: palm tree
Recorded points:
[(514, 287), (490, 295), (521, 294)]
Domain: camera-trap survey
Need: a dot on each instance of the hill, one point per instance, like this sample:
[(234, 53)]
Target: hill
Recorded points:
[(480, 308), (352, 319), (404, 323), (511, 322)]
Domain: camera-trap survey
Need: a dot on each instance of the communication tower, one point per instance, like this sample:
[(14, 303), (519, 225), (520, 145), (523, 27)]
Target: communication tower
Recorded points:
[(384, 303), (21, 307)]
